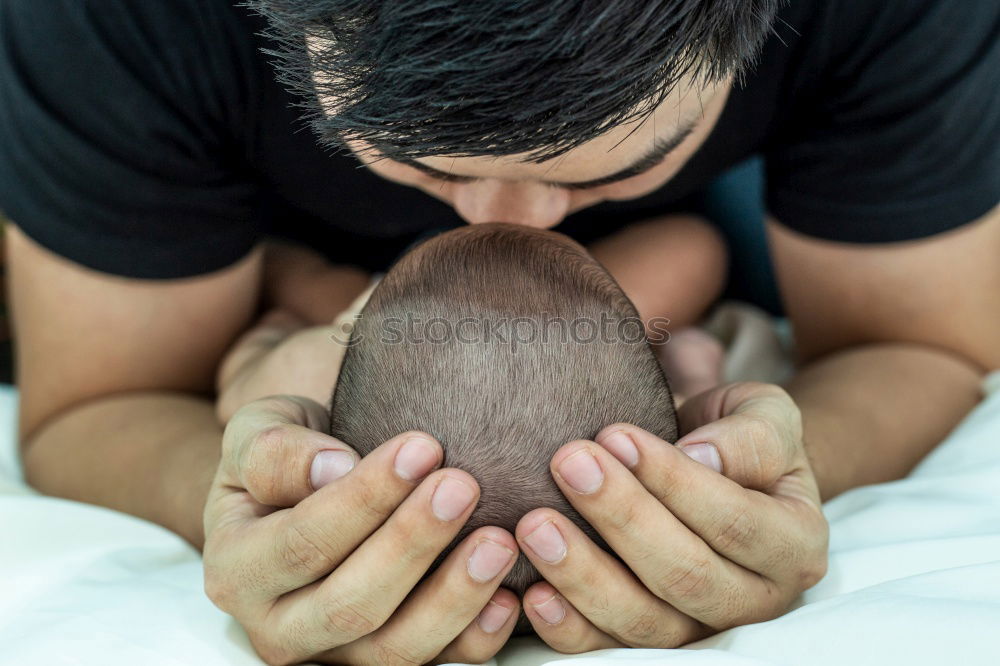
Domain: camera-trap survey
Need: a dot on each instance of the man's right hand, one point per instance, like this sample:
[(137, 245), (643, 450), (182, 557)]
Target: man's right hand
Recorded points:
[(320, 558)]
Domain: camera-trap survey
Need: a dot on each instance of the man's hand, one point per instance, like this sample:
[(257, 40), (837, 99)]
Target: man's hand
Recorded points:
[(337, 577), (702, 551)]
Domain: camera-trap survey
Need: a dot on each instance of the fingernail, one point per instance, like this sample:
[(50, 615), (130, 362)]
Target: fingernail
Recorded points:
[(415, 459), (621, 447), (582, 472), (328, 466), (493, 617), (551, 610), (451, 498), (706, 454), (488, 560), (547, 542)]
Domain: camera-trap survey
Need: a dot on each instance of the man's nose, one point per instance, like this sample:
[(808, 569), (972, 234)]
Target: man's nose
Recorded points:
[(531, 204)]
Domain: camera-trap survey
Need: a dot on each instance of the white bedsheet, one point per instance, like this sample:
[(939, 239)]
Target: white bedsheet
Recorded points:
[(914, 578)]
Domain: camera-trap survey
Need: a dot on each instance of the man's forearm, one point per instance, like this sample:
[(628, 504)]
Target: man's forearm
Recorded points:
[(152, 455), (871, 413)]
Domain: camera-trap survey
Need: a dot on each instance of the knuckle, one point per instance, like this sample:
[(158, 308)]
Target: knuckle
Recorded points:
[(271, 439), (218, 590), (391, 654), (750, 611), (690, 581), (738, 531), (643, 629), (737, 606), (349, 620), (783, 554), (813, 573), (270, 653), (595, 581), (413, 546), (370, 501), (306, 552), (809, 558), (622, 517), (258, 466)]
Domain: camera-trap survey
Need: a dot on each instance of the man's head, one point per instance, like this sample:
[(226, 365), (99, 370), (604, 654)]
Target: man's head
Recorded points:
[(518, 111), (504, 343)]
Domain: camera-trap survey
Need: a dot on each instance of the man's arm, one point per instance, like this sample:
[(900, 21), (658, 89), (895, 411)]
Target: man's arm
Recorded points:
[(151, 455), (894, 340), (109, 371)]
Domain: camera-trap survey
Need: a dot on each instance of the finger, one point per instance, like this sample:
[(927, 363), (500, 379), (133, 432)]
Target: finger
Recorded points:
[(481, 640), (598, 585), (267, 459), (453, 602), (773, 536), (294, 547), (689, 575), (756, 430), (270, 451), (366, 588), (560, 625)]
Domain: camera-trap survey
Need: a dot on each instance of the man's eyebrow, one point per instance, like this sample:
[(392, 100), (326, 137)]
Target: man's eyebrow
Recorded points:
[(661, 147)]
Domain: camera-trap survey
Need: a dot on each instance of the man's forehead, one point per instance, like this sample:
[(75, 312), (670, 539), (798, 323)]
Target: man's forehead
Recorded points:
[(618, 149)]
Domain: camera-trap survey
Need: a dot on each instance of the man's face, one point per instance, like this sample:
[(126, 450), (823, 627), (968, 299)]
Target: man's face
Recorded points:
[(627, 162)]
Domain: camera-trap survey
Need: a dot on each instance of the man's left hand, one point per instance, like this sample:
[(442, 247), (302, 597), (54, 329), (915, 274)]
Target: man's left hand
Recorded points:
[(702, 550)]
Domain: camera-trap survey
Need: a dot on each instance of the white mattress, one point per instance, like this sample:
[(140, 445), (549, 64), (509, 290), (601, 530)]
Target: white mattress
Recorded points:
[(914, 578)]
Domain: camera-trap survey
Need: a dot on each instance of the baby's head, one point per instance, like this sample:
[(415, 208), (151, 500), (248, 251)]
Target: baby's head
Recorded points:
[(504, 343)]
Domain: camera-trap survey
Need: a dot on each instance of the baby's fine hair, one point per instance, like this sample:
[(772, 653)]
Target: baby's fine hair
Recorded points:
[(484, 338)]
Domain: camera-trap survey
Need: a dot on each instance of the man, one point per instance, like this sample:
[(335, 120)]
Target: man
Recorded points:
[(147, 148)]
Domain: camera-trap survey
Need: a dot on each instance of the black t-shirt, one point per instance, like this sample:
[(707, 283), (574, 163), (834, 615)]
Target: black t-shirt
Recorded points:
[(149, 138)]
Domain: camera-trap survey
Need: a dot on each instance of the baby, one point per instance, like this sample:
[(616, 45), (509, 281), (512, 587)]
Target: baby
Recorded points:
[(504, 343), (672, 268)]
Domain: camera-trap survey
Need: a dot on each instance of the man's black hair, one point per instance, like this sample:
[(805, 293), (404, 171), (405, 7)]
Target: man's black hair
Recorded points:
[(414, 78)]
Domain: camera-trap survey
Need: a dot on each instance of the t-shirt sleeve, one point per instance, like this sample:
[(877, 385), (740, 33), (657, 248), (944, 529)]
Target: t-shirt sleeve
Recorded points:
[(899, 136), (117, 141)]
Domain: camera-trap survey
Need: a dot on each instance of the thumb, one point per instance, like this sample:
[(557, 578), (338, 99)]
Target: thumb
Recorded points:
[(755, 439)]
